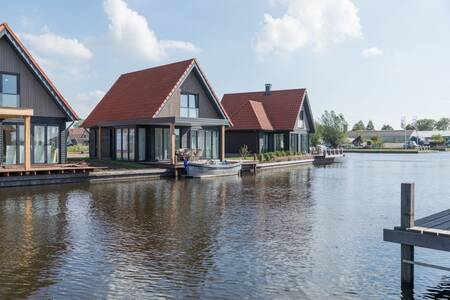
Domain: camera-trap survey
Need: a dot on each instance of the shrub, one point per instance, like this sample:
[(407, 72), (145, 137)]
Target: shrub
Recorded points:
[(244, 152)]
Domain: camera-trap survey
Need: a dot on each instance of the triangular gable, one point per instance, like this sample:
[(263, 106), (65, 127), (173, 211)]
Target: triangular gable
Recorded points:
[(25, 55), (194, 67), (309, 116)]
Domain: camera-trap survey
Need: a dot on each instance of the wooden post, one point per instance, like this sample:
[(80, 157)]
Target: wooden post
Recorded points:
[(172, 144), (27, 138), (99, 143), (222, 143), (407, 221)]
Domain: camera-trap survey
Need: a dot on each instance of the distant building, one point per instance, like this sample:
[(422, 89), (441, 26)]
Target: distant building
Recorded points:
[(426, 136), (78, 136), (390, 138)]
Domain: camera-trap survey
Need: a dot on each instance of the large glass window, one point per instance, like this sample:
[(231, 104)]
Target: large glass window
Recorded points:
[(118, 143), (177, 138), (52, 144), (132, 141), (142, 140), (278, 140), (293, 143), (194, 141), (9, 90), (125, 143), (39, 144), (189, 106), (10, 144), (263, 142), (161, 143)]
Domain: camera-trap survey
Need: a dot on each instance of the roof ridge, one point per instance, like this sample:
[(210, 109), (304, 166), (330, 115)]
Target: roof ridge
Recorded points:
[(160, 66), (272, 91)]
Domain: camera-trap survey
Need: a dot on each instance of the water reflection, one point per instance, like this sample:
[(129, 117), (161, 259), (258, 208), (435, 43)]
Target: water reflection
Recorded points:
[(307, 232), (32, 234)]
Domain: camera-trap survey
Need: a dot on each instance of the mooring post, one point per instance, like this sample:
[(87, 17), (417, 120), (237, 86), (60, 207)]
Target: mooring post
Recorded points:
[(407, 221)]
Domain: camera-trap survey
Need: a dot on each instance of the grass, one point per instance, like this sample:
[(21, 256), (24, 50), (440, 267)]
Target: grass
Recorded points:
[(239, 158), (78, 149)]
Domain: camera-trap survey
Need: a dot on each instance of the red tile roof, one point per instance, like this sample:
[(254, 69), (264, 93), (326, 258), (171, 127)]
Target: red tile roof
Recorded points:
[(140, 94), (5, 26), (258, 111)]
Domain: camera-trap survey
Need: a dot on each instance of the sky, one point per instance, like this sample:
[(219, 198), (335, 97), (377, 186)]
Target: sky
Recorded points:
[(374, 60)]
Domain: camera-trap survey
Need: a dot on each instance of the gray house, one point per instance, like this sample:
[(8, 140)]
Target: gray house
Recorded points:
[(150, 114), (33, 114)]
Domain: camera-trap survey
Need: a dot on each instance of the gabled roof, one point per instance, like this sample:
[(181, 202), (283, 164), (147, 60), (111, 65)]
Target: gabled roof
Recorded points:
[(142, 94), (6, 31), (277, 111)]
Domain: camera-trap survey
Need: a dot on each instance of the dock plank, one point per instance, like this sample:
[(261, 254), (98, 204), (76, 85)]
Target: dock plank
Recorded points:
[(435, 223), (426, 219)]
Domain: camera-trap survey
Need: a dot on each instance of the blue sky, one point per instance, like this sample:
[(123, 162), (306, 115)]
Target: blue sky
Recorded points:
[(371, 59)]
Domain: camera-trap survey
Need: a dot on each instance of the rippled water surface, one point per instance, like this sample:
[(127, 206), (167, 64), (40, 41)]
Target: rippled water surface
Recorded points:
[(305, 232)]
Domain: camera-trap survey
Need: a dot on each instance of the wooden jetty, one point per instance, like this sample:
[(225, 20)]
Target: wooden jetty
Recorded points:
[(431, 232)]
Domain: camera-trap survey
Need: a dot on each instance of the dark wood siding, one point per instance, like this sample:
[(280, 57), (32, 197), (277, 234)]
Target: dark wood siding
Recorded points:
[(236, 139), (92, 143), (1, 145), (106, 143), (63, 143), (32, 93)]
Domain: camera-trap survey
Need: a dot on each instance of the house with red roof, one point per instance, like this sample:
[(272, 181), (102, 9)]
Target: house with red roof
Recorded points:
[(33, 113), (269, 121), (148, 115)]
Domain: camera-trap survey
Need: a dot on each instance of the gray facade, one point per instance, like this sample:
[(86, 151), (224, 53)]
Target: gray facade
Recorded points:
[(32, 91)]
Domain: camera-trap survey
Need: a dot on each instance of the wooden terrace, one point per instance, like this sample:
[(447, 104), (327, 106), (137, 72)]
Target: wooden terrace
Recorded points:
[(45, 169)]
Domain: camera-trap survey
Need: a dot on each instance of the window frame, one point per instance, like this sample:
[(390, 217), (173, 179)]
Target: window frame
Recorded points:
[(188, 107), (18, 87)]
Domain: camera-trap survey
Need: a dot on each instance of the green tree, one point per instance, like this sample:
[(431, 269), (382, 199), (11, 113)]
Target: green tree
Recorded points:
[(316, 138), (425, 124), (333, 128), (370, 126), (359, 126), (377, 142), (443, 124), (439, 139), (387, 127), (410, 127)]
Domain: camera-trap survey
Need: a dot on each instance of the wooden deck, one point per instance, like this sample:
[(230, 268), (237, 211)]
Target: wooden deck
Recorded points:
[(48, 169), (431, 232)]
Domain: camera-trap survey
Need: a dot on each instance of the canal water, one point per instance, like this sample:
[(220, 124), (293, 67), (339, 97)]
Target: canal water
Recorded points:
[(303, 233)]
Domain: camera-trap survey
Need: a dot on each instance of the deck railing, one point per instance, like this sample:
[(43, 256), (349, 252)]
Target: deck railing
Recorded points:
[(318, 151)]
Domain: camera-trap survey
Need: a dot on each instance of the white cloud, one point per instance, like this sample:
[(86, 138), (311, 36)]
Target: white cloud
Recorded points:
[(131, 30), (85, 102), (50, 44), (313, 23), (371, 52)]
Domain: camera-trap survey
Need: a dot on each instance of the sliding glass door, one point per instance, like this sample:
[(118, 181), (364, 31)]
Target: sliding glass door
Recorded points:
[(13, 144), (39, 144), (125, 143), (142, 143), (211, 144), (46, 144), (161, 143), (52, 144)]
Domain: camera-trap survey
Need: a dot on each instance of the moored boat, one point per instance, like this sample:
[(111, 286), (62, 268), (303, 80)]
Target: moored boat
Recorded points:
[(213, 169)]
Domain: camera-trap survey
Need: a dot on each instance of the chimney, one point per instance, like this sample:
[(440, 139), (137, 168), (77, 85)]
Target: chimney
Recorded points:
[(268, 89)]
